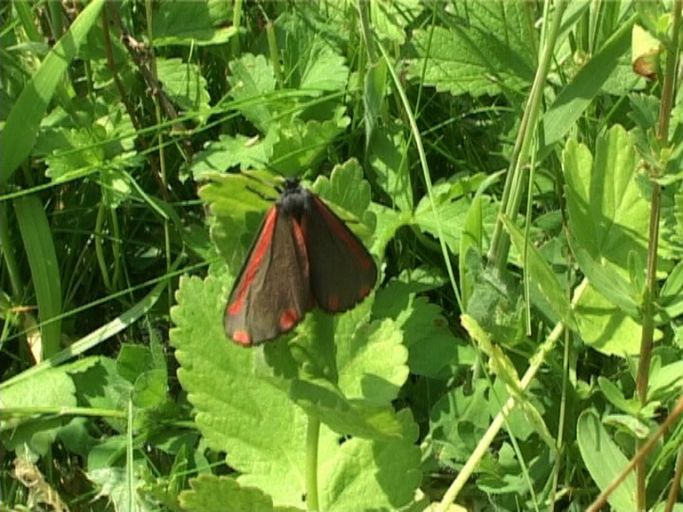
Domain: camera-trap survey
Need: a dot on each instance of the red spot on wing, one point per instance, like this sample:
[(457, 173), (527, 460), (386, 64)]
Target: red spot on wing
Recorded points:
[(255, 259), (343, 233), (288, 319), (333, 303), (242, 337)]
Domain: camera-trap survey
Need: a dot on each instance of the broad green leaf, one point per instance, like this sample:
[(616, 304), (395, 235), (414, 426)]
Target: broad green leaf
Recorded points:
[(471, 247), (573, 100), (19, 133), (232, 151), (373, 475), (388, 156), (251, 79), (40, 251), (192, 23), (348, 193), (489, 53), (184, 84), (371, 363), (241, 408), (324, 70), (374, 91), (666, 381), (356, 417), (616, 397), (433, 349), (541, 276), (605, 461), (53, 388), (605, 327), (302, 144), (390, 18), (210, 493), (608, 215)]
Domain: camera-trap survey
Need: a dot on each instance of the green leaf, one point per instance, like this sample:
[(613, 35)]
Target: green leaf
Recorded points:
[(184, 84), (113, 483), (228, 151), (211, 493), (575, 98), (241, 408), (42, 259), (252, 78), (302, 144), (324, 70), (349, 194), (52, 387), (388, 156), (608, 215), (19, 133), (605, 461), (489, 54), (390, 18), (541, 277), (373, 475), (433, 349), (605, 327), (192, 23)]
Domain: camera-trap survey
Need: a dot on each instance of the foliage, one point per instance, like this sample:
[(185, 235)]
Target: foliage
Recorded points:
[(503, 163)]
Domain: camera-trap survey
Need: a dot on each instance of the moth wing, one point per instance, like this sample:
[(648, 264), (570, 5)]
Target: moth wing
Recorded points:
[(342, 270), (272, 292)]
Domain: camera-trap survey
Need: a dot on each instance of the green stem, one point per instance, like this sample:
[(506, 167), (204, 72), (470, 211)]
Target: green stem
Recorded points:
[(514, 181), (312, 437), (99, 250), (648, 323)]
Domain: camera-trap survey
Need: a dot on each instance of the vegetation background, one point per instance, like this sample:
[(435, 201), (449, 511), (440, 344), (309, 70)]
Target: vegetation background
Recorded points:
[(514, 167)]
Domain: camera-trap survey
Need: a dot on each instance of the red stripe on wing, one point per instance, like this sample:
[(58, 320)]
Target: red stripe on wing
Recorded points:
[(256, 257)]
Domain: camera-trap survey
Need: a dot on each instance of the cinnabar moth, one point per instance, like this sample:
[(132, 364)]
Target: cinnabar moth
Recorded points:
[(302, 257)]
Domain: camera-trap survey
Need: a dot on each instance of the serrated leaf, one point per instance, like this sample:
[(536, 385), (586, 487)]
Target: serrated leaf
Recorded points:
[(191, 23), (390, 18), (113, 484), (212, 493), (324, 70), (608, 215), (302, 144), (184, 84), (228, 152), (241, 408), (487, 54), (348, 193), (252, 78)]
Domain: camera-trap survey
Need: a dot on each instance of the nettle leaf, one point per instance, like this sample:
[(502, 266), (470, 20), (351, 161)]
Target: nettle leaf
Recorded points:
[(184, 84), (192, 23), (228, 152), (391, 18), (252, 78), (489, 51), (241, 408), (373, 475), (52, 387)]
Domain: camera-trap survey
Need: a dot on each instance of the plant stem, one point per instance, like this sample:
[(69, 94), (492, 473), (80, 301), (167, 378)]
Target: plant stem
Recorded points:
[(312, 437), (648, 327)]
